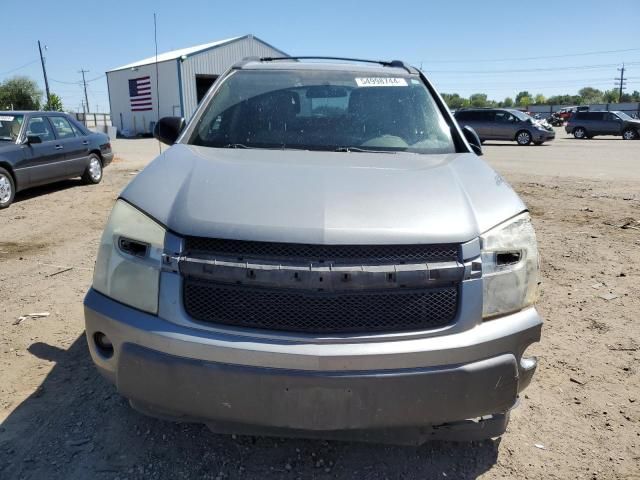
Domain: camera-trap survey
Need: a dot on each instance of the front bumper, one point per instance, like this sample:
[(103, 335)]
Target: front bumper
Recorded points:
[(107, 158), (319, 389), (543, 135)]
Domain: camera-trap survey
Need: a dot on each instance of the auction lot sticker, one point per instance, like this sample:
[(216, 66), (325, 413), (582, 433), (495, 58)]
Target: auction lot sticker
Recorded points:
[(6, 118), (381, 82)]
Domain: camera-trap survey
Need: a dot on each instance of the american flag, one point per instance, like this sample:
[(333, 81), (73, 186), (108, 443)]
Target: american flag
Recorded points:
[(140, 94)]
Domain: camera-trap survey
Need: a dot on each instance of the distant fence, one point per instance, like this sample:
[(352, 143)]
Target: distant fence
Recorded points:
[(98, 122), (628, 108), (94, 120)]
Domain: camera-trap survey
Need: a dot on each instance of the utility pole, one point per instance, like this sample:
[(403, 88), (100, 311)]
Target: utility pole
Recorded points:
[(84, 83), (44, 72), (620, 83)]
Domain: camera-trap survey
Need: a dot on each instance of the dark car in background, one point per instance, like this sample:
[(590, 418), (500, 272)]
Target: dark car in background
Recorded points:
[(505, 124), (37, 148), (589, 124)]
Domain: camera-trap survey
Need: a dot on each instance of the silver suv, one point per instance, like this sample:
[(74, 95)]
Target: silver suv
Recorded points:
[(505, 124), (320, 253)]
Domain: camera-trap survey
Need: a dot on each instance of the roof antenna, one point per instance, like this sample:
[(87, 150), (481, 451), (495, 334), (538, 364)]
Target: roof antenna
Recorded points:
[(155, 39)]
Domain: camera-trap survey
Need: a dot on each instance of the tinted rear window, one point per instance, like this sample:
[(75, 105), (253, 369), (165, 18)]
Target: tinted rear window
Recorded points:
[(476, 116), (590, 115)]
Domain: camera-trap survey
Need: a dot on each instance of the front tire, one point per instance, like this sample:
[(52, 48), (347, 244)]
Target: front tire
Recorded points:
[(7, 189), (523, 137), (580, 133), (93, 173), (629, 134)]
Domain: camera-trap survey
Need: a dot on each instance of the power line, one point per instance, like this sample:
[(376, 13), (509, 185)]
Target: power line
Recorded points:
[(528, 70), (543, 57), (97, 78), (600, 80), (65, 83), (20, 67)]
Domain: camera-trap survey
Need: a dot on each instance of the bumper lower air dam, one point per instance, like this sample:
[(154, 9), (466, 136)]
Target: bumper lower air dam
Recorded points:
[(171, 371), (315, 401)]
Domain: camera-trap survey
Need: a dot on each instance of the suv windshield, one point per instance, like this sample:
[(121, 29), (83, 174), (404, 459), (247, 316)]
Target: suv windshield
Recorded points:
[(623, 115), (323, 110), (10, 126), (521, 115)]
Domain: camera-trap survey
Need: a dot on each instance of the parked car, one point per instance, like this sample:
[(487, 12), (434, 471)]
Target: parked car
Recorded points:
[(589, 124), (37, 148), (321, 252), (505, 124)]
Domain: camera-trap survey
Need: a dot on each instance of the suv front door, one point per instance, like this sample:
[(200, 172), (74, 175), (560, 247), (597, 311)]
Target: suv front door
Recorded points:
[(613, 124), (504, 126)]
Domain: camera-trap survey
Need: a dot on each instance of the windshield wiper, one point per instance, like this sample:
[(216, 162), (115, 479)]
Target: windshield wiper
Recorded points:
[(365, 150), (261, 147), (236, 145)]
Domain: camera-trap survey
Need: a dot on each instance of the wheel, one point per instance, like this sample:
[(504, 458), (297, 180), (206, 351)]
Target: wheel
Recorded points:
[(7, 188), (579, 133), (538, 143), (523, 137), (93, 173), (629, 134)]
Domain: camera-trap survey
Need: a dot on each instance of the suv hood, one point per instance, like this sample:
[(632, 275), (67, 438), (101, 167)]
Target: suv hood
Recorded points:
[(322, 197)]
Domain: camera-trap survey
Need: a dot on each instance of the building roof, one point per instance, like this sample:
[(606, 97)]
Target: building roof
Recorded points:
[(174, 54)]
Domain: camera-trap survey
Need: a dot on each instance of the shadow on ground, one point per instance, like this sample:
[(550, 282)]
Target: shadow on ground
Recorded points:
[(76, 426), (46, 189)]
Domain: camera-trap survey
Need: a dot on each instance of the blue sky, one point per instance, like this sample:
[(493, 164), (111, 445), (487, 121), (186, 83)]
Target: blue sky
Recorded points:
[(464, 46)]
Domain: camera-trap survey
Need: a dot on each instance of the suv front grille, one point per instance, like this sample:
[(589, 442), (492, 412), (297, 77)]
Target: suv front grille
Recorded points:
[(368, 254), (319, 312)]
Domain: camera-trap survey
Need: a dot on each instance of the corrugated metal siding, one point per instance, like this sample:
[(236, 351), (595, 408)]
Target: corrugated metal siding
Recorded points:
[(132, 123), (215, 62)]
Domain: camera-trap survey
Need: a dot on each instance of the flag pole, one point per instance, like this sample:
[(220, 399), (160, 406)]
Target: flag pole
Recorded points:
[(155, 39)]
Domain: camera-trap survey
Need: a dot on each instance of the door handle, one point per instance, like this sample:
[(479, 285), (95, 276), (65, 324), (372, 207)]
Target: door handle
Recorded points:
[(59, 147), (85, 142)]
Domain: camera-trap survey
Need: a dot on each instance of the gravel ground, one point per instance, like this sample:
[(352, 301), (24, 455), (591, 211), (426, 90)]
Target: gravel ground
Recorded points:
[(580, 418)]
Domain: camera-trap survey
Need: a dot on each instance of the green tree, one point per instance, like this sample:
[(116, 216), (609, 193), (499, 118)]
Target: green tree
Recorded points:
[(508, 102), (453, 100), (591, 95), (54, 104), (525, 100), (522, 95), (610, 96), (478, 100), (539, 99), (20, 93)]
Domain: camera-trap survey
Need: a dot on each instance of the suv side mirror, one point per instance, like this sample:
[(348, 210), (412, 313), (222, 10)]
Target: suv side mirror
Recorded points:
[(33, 139), (473, 139), (168, 129)]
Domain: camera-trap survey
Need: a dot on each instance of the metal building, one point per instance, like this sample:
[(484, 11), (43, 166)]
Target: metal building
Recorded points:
[(184, 76)]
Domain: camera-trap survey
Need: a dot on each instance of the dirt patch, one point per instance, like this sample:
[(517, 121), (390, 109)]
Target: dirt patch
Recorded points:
[(16, 249)]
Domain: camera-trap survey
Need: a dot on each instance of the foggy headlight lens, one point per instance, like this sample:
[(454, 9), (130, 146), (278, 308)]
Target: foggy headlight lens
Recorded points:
[(509, 266), (130, 258)]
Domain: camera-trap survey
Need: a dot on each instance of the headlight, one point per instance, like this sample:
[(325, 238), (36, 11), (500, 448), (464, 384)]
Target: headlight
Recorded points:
[(509, 266), (129, 258)]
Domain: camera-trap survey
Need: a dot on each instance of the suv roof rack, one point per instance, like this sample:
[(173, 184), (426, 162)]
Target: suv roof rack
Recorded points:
[(384, 63)]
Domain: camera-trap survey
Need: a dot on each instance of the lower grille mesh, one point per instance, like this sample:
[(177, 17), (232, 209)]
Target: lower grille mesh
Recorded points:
[(319, 312)]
